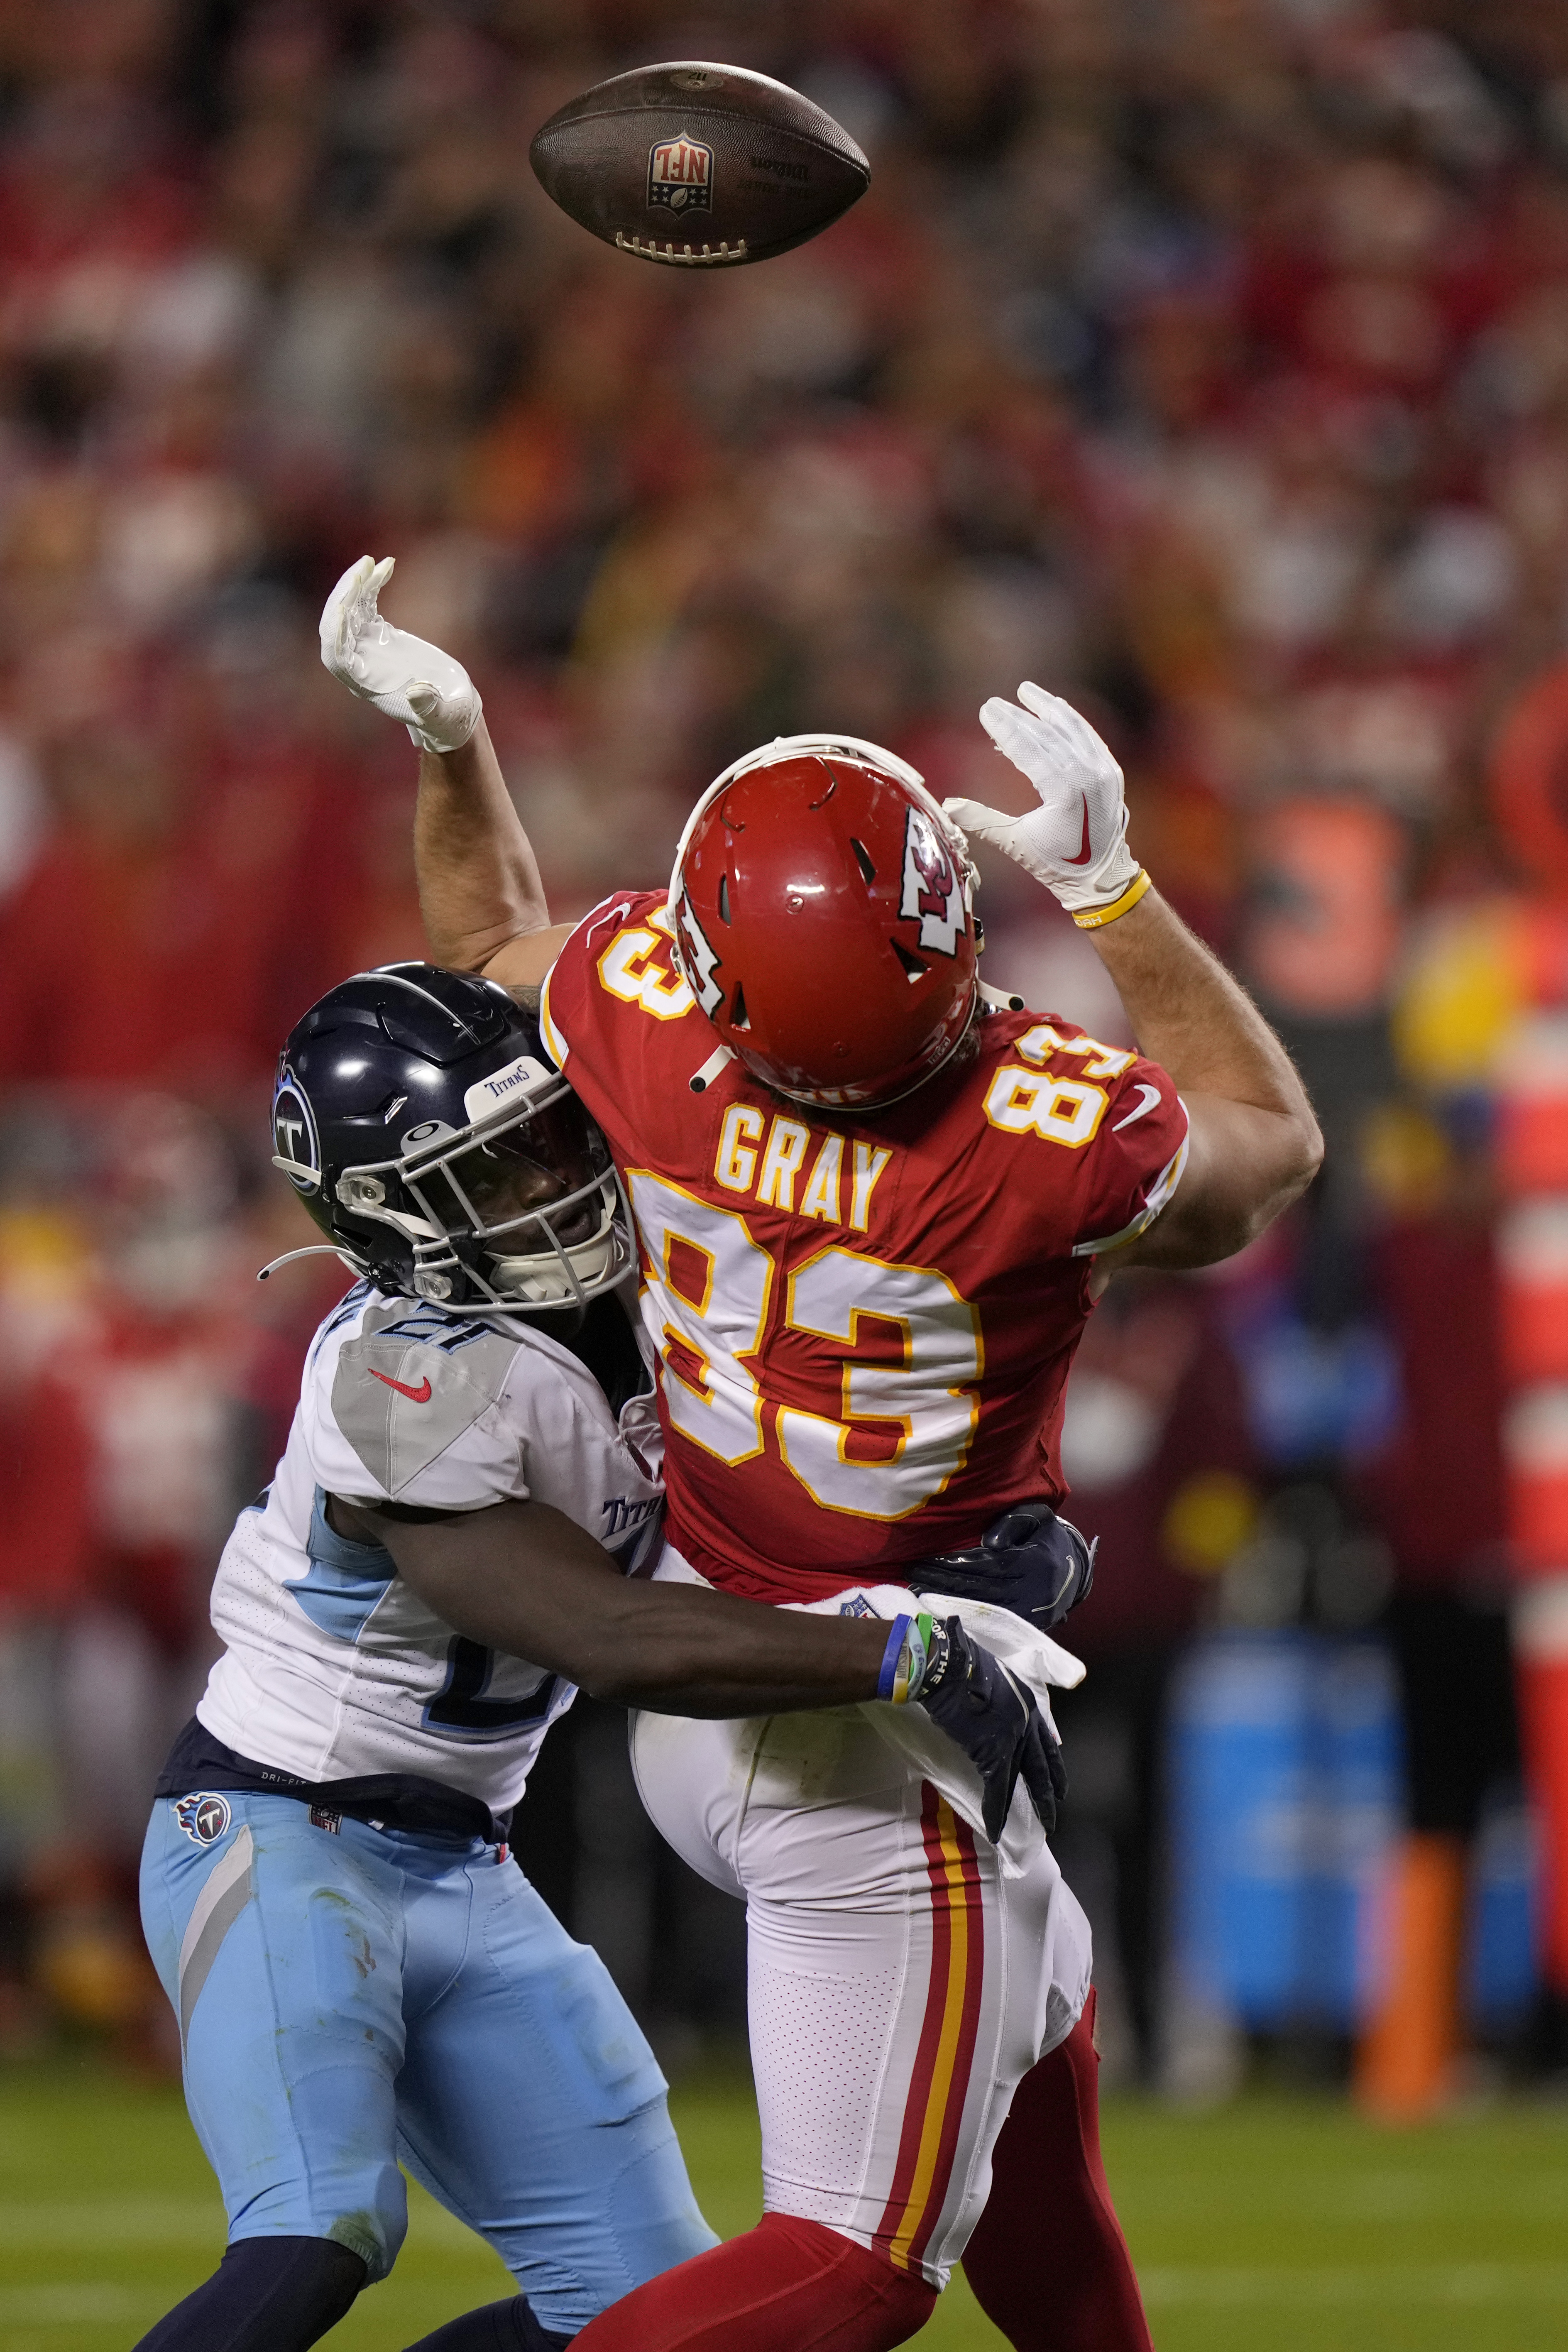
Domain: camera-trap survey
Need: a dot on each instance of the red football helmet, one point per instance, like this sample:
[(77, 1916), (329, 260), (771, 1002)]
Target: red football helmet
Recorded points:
[(821, 903)]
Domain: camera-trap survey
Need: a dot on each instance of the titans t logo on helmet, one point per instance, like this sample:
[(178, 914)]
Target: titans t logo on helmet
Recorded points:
[(296, 1147)]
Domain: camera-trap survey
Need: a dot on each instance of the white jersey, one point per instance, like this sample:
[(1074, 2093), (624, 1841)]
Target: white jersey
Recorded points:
[(333, 1668)]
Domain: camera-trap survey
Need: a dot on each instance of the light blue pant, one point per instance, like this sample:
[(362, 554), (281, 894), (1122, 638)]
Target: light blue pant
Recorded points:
[(350, 1998)]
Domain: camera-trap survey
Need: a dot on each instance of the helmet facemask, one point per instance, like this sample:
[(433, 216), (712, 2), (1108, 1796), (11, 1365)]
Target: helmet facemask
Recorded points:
[(523, 1207)]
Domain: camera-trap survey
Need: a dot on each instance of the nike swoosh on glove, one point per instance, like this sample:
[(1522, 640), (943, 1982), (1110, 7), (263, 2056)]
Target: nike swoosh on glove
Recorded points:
[(404, 676), (1075, 840), (998, 1724)]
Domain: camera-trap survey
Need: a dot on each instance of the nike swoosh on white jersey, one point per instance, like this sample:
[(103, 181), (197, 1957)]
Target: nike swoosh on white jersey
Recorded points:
[(1151, 1095)]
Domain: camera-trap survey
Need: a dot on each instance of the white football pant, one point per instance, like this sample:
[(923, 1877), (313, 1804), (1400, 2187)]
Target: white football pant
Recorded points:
[(900, 1985)]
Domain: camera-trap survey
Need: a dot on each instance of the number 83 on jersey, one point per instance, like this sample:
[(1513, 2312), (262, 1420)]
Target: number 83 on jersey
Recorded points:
[(904, 1426)]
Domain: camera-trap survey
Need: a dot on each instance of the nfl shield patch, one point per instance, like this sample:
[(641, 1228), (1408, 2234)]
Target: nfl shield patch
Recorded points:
[(681, 175), (202, 1816)]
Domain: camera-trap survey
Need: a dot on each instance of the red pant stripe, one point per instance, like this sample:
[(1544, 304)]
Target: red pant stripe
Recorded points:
[(938, 2085)]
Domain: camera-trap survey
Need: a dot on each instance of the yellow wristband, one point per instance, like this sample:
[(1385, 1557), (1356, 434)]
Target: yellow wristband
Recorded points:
[(1090, 918)]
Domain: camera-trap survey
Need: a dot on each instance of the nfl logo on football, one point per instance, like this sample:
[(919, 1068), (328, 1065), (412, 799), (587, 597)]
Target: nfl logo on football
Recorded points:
[(681, 175)]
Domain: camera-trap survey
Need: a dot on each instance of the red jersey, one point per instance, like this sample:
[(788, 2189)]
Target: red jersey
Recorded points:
[(864, 1321)]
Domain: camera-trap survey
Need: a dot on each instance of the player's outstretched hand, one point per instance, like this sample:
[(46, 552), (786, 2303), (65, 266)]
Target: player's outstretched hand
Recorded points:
[(1075, 840), (404, 676), (998, 1724)]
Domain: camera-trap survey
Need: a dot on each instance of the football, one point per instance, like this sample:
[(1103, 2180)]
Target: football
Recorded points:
[(701, 166)]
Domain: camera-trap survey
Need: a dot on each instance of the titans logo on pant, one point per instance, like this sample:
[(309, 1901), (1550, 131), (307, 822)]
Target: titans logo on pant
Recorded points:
[(204, 1816)]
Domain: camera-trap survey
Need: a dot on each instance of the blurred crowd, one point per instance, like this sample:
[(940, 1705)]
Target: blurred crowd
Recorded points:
[(1206, 361)]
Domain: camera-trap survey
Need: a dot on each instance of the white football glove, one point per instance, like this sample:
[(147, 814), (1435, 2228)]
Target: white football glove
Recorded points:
[(432, 694), (1073, 842)]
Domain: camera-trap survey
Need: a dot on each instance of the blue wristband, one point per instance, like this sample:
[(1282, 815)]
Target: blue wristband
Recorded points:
[(898, 1635), (907, 1663)]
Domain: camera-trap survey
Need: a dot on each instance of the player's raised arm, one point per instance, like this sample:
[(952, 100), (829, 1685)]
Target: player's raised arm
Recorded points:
[(523, 1578), (478, 884), (1254, 1142)]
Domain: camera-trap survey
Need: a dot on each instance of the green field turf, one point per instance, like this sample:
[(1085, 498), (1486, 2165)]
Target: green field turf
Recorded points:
[(1275, 2224)]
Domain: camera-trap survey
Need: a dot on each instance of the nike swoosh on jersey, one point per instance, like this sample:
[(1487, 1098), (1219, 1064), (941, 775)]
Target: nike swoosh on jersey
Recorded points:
[(1148, 1095), (1085, 853), (421, 1395)]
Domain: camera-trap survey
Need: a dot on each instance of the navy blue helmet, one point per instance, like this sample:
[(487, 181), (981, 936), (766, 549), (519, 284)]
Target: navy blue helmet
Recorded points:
[(418, 1119)]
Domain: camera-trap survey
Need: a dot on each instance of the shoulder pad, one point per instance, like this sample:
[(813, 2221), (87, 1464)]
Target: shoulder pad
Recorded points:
[(409, 1386)]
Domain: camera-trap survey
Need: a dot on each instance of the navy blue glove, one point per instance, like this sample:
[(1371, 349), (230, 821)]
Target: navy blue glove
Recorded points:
[(1028, 1561), (994, 1718)]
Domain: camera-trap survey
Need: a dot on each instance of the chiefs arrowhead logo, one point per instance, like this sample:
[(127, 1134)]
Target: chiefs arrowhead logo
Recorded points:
[(933, 887)]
